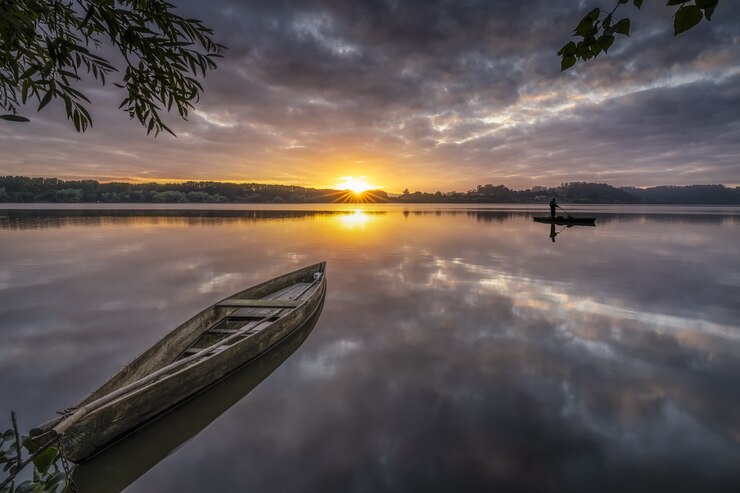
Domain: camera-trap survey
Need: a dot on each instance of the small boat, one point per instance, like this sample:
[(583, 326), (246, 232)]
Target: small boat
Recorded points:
[(211, 345), (564, 221), (117, 466)]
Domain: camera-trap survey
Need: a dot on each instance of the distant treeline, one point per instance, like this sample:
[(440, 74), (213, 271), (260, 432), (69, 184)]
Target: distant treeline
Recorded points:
[(24, 189), (584, 193)]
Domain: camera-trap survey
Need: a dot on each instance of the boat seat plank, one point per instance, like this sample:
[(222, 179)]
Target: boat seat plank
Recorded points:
[(223, 331), (276, 303), (264, 306), (194, 350), (262, 313), (253, 313)]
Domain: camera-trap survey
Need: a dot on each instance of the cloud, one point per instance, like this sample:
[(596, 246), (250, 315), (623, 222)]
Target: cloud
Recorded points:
[(424, 94)]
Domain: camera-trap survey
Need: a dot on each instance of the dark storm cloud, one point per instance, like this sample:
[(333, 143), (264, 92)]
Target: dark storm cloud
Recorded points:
[(432, 94)]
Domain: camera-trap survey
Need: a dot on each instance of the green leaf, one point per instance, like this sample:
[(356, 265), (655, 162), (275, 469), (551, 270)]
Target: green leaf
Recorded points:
[(584, 27), (568, 50), (15, 118), (607, 22), (76, 120), (85, 114), (68, 105), (45, 459), (708, 7), (88, 16), (29, 72), (567, 62), (622, 27), (594, 14), (24, 90), (583, 50), (686, 17), (605, 42), (638, 3), (45, 100)]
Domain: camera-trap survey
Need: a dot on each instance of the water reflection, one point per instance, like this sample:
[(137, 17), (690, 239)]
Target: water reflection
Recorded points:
[(555, 231), (458, 349), (58, 218), (356, 219)]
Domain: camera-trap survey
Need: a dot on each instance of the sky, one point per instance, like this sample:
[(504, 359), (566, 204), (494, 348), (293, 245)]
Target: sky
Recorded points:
[(421, 94)]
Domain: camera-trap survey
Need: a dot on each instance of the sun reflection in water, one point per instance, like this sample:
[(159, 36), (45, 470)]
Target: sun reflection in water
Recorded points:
[(354, 220)]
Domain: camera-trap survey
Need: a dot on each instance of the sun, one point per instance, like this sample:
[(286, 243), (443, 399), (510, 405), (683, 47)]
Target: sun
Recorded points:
[(356, 189), (357, 185)]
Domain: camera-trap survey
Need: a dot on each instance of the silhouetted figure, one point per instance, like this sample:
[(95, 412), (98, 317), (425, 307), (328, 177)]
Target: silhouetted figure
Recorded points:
[(553, 206), (553, 233)]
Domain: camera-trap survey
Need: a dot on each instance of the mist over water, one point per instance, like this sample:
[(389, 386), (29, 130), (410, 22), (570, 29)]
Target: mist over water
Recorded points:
[(458, 349)]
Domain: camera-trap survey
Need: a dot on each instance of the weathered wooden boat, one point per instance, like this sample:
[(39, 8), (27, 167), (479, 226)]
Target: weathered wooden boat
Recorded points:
[(211, 345), (564, 221), (126, 460)]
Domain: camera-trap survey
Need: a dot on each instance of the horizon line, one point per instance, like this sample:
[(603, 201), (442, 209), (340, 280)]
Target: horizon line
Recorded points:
[(180, 181)]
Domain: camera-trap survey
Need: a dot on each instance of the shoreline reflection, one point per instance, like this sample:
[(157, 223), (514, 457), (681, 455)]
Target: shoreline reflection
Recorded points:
[(23, 219)]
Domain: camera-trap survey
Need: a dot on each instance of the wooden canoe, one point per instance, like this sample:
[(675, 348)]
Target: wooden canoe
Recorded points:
[(214, 343), (564, 221), (117, 466)]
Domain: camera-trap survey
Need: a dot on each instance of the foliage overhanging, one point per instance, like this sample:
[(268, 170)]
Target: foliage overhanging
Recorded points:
[(48, 49), (598, 28)]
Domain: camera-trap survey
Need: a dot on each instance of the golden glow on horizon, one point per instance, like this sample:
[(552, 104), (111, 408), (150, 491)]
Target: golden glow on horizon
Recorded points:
[(356, 189), (357, 185)]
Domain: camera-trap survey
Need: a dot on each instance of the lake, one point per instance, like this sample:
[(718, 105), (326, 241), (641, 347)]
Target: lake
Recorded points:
[(459, 348)]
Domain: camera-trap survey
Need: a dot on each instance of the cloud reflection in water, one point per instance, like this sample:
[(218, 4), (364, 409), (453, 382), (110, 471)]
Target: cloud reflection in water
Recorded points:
[(456, 350)]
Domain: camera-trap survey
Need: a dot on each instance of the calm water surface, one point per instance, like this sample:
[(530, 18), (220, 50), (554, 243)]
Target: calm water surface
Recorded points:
[(458, 350)]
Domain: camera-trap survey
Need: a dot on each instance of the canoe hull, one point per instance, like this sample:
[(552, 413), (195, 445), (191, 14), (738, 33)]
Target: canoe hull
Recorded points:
[(564, 221), (110, 422)]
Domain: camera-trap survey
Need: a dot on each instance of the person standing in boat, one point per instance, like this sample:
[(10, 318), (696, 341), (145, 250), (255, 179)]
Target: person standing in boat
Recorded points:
[(553, 206)]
